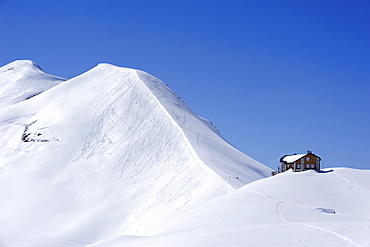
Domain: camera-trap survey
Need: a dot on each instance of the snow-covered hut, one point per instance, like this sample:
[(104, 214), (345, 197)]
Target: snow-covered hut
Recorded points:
[(299, 162)]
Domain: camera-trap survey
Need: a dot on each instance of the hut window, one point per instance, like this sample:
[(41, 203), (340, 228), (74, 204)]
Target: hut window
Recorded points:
[(312, 165), (307, 158), (308, 166), (298, 165)]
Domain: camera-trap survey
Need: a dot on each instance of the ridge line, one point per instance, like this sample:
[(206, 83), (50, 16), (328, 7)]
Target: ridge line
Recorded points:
[(203, 165)]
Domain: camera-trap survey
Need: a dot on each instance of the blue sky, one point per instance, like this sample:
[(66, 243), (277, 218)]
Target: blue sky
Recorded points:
[(275, 77)]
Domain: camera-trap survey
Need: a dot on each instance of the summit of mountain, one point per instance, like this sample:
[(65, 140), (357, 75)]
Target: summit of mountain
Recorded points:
[(23, 79)]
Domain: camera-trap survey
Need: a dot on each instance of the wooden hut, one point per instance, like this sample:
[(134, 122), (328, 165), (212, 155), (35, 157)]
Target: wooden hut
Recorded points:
[(299, 162)]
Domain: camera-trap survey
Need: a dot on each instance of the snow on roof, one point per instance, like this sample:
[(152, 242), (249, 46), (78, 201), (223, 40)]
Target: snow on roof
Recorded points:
[(292, 158)]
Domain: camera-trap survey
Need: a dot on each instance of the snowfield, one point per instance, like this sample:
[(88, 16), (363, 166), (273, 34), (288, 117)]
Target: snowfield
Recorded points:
[(114, 157)]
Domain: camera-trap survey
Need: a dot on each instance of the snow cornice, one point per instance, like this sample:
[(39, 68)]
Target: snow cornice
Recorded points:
[(203, 166)]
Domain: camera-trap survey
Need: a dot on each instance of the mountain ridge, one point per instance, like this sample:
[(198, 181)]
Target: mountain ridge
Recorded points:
[(100, 144), (233, 175)]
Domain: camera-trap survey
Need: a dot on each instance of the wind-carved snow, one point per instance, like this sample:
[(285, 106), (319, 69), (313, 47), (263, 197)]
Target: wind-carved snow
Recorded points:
[(233, 166)]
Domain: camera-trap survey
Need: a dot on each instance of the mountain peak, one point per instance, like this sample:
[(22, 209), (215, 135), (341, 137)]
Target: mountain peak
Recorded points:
[(23, 79), (22, 66), (206, 143)]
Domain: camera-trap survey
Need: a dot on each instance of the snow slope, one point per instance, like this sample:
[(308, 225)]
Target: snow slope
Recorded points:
[(23, 79), (112, 151), (291, 209)]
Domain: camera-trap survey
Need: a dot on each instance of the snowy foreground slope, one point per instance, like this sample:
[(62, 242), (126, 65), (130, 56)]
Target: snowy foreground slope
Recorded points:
[(291, 209), (111, 152), (114, 157)]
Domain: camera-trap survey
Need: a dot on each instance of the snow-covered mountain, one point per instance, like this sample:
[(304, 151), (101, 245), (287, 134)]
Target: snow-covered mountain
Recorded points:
[(113, 146), (23, 79), (114, 157)]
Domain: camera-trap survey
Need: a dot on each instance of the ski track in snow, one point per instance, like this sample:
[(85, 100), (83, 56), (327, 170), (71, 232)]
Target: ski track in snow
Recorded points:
[(315, 227), (259, 193), (277, 206), (135, 137), (279, 212), (350, 241), (48, 239), (350, 184), (104, 116)]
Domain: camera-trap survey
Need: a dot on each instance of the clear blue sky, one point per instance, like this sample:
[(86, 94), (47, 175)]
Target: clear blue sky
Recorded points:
[(275, 77)]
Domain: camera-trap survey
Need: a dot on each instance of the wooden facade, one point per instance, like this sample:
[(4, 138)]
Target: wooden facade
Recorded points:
[(299, 162)]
